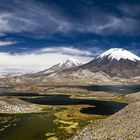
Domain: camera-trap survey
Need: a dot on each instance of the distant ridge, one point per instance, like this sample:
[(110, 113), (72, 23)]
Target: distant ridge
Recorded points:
[(69, 63)]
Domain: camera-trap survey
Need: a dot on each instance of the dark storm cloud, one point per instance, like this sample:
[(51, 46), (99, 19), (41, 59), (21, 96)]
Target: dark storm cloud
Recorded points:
[(45, 19)]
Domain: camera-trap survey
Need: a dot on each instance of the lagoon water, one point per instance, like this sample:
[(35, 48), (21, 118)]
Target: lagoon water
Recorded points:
[(101, 107), (122, 89)]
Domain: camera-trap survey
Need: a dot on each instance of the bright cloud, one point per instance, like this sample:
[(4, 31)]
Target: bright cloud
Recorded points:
[(44, 19), (7, 43), (39, 60), (34, 18), (66, 50)]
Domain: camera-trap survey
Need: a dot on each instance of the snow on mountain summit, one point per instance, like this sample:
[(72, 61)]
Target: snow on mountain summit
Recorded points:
[(70, 62), (119, 53)]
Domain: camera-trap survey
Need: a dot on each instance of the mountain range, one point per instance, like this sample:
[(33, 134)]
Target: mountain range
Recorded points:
[(111, 66), (115, 64)]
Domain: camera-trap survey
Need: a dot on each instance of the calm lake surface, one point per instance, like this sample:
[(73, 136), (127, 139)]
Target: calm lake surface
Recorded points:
[(108, 88), (101, 107)]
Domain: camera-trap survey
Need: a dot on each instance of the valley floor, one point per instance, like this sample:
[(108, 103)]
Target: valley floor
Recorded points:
[(123, 125)]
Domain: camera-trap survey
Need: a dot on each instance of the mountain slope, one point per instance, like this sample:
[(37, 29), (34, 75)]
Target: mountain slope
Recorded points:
[(124, 125)]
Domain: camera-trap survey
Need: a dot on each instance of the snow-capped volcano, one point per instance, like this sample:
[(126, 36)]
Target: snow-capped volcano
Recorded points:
[(116, 62), (118, 53), (69, 63)]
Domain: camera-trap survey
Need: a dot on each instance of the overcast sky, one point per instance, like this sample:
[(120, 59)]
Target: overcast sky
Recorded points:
[(36, 34)]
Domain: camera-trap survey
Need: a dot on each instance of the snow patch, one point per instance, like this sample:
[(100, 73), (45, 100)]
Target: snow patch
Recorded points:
[(70, 62), (118, 53)]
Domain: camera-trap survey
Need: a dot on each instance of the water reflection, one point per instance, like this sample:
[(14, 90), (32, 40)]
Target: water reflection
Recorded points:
[(107, 88)]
